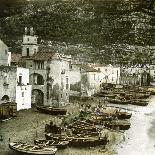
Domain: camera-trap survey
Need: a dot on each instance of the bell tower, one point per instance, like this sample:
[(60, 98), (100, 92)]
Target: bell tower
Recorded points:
[(29, 45)]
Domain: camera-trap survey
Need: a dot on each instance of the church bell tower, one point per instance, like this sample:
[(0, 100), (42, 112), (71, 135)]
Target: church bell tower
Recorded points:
[(29, 45)]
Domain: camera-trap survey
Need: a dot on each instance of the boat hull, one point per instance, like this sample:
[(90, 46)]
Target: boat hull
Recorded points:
[(52, 111), (15, 147)]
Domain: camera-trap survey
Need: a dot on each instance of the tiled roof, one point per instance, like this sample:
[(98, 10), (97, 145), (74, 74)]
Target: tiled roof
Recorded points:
[(87, 68), (15, 57), (43, 55)]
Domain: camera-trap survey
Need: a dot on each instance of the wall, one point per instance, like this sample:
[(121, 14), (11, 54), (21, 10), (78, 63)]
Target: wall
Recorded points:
[(75, 81), (23, 97), (59, 72), (8, 82), (3, 54), (90, 83), (32, 49), (24, 73), (24, 90)]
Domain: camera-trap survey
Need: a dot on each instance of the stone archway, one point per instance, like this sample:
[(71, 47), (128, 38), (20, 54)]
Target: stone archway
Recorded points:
[(37, 97), (5, 98)]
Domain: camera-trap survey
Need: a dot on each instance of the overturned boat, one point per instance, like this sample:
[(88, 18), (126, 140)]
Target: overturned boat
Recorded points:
[(52, 110), (24, 148)]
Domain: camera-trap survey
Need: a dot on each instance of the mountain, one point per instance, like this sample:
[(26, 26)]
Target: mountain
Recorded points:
[(104, 29)]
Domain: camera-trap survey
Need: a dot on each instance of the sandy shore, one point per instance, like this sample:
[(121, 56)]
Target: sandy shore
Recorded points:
[(30, 124)]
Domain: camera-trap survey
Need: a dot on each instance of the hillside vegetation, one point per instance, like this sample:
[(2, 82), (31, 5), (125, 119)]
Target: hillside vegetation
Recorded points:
[(96, 29)]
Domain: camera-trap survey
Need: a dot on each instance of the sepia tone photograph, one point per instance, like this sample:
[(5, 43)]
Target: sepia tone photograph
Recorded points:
[(77, 77)]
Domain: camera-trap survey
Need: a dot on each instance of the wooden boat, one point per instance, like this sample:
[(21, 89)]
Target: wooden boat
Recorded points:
[(123, 115), (23, 148), (139, 102), (87, 141), (118, 124), (52, 110), (60, 144), (118, 101)]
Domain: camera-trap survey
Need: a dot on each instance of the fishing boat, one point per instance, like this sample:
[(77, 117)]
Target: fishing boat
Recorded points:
[(123, 115), (139, 102), (87, 141), (118, 124), (24, 148), (82, 141), (118, 101), (52, 110), (60, 144)]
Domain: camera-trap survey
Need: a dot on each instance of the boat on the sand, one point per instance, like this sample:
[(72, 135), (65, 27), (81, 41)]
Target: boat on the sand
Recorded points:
[(118, 124), (60, 144), (52, 110), (24, 148), (82, 141)]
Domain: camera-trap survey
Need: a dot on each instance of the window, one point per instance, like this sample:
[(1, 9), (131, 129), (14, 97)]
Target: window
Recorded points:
[(66, 94), (61, 95), (20, 80), (94, 76), (28, 52), (22, 94), (28, 39), (67, 86), (6, 52), (39, 64), (106, 70)]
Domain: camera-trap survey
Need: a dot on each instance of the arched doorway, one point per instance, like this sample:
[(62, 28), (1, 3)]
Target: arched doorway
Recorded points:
[(37, 97), (5, 98)]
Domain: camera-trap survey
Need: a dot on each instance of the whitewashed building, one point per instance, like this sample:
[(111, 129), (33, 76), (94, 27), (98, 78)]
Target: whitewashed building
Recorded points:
[(108, 73), (14, 86)]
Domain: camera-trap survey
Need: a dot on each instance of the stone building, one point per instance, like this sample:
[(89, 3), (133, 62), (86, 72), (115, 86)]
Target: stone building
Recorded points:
[(136, 76), (14, 86), (5, 55), (90, 80), (48, 72), (75, 80)]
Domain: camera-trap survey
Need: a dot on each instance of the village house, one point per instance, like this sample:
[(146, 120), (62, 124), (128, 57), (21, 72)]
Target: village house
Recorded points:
[(49, 72), (14, 81), (87, 79), (139, 76), (84, 80), (109, 73), (75, 80), (90, 80)]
